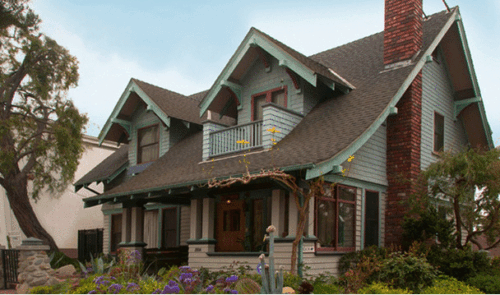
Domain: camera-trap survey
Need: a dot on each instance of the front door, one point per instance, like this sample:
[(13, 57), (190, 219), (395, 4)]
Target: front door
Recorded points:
[(230, 226)]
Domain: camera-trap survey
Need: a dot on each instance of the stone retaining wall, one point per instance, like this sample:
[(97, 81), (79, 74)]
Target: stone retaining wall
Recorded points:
[(34, 266)]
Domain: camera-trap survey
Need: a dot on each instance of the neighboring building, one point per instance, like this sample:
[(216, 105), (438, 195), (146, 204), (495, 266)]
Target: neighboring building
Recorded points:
[(61, 215), (394, 100)]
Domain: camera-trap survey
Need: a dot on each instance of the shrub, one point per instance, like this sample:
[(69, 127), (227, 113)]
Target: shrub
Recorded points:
[(449, 285), (382, 288), (362, 274), (460, 264), (53, 289), (407, 270), (489, 284), (350, 260), (59, 259), (324, 288)]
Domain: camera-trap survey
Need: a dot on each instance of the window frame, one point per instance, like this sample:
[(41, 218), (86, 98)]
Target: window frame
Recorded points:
[(441, 149), (112, 233), (139, 159), (163, 230), (336, 202), (268, 94)]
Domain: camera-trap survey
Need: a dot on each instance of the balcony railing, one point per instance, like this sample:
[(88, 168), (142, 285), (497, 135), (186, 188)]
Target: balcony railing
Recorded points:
[(225, 140)]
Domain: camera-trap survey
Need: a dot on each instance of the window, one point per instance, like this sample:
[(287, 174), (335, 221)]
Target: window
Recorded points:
[(371, 219), (438, 132), (148, 146), (335, 219), (116, 231), (277, 96), (169, 228)]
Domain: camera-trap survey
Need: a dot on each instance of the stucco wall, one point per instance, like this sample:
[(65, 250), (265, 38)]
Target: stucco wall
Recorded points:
[(62, 215)]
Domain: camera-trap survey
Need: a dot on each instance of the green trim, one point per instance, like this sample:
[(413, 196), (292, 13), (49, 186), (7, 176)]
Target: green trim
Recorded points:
[(113, 118), (132, 244), (362, 225), (157, 206), (460, 105), (203, 241), (117, 172), (160, 226), (472, 72), (125, 124), (112, 211), (355, 182), (110, 219), (253, 38), (250, 254), (327, 166), (236, 88), (329, 83), (178, 226)]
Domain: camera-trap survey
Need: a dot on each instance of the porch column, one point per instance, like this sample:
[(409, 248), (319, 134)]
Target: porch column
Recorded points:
[(195, 225), (311, 220), (292, 216), (208, 218), (125, 226), (276, 212)]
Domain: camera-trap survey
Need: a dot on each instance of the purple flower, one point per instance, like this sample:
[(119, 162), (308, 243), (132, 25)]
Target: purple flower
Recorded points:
[(185, 276), (232, 279), (172, 283), (93, 292), (115, 288), (157, 291), (259, 268), (234, 291), (133, 287), (98, 280), (185, 268), (170, 290), (210, 288)]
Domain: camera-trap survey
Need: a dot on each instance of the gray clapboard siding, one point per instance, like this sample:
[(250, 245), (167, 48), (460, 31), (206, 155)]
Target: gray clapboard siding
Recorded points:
[(369, 162), (140, 119), (280, 119), (437, 96), (106, 233), (257, 80), (185, 224)]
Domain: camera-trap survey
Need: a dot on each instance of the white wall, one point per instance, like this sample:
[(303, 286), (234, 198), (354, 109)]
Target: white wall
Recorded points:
[(62, 215)]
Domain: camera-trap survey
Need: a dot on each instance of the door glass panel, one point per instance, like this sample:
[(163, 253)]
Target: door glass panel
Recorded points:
[(231, 220)]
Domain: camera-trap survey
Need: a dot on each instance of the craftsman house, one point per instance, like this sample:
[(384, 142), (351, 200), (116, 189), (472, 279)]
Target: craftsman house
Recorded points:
[(393, 100)]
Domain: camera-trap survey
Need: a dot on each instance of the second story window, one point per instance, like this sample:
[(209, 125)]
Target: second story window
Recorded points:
[(438, 133), (148, 144), (277, 96)]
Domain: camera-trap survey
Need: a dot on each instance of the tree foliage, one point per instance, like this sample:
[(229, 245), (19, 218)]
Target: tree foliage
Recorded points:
[(40, 128), (467, 184)]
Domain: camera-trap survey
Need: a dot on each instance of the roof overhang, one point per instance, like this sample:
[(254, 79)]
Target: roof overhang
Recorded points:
[(119, 122), (224, 97)]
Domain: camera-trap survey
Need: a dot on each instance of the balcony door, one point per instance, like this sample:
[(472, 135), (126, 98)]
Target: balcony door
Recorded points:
[(230, 230)]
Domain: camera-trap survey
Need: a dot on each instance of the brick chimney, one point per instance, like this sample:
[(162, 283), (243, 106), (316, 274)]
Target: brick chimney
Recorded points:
[(402, 40), (403, 30)]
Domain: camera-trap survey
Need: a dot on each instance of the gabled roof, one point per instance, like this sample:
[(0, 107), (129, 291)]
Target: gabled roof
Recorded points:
[(334, 129), (164, 103), (107, 170), (258, 44)]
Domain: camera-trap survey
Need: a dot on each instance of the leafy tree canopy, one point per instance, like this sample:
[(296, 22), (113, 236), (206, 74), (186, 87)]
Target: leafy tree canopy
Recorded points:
[(40, 128), (467, 185)]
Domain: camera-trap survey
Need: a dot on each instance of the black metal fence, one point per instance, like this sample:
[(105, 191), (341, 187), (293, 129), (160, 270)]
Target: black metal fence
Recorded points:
[(89, 243), (10, 259)]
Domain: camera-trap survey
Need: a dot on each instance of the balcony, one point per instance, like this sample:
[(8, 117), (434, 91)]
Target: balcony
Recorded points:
[(225, 140), (219, 139)]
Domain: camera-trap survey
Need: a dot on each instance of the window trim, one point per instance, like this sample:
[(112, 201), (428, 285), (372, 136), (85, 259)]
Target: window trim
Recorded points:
[(111, 233), (337, 201), (138, 147), (434, 133), (268, 94)]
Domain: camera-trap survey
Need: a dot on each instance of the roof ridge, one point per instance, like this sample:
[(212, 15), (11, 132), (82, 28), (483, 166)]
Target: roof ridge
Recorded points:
[(165, 89)]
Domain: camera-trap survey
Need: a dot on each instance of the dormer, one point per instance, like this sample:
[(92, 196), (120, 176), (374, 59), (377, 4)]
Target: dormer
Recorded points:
[(150, 120), (265, 85)]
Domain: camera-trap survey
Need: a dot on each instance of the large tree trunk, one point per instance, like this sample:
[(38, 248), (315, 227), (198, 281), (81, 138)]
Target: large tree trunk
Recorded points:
[(17, 195)]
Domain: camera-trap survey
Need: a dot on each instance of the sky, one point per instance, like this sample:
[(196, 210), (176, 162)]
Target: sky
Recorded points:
[(184, 45)]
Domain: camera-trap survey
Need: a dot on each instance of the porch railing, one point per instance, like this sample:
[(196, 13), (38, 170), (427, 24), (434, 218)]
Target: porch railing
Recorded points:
[(225, 140)]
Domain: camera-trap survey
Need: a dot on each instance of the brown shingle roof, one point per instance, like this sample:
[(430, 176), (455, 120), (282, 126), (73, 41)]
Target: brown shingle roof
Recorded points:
[(329, 128), (106, 168)]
